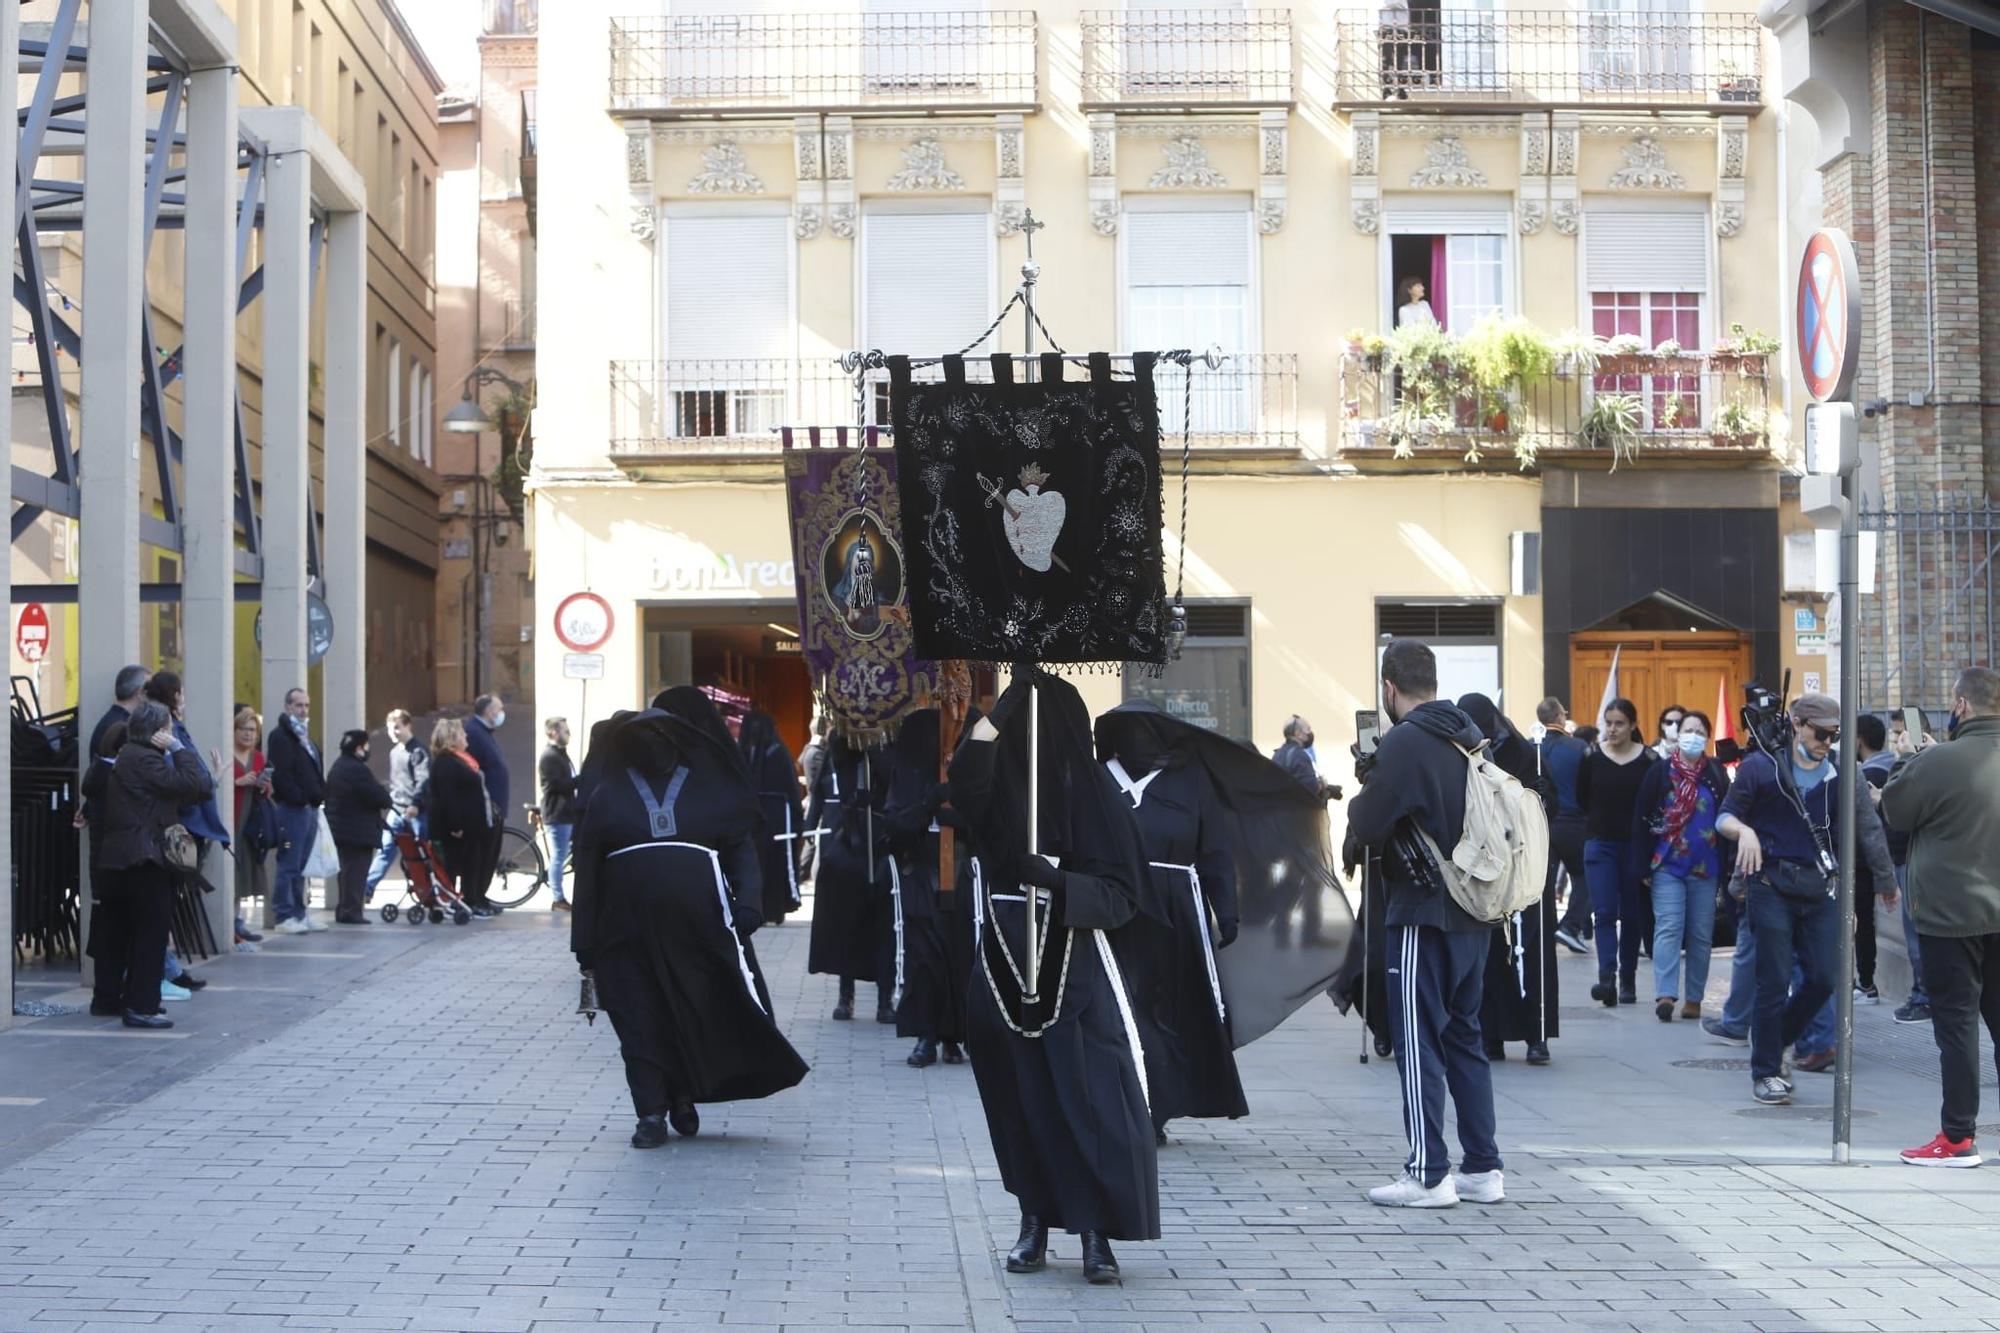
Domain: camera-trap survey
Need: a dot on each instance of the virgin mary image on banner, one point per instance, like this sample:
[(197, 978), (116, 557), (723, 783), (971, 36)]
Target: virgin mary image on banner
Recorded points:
[(862, 573)]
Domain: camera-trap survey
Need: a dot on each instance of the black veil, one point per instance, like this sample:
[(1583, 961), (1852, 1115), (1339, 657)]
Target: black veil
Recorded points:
[(693, 706), (759, 734), (1295, 921)]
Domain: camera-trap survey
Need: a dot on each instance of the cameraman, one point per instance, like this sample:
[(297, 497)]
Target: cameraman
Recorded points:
[(1783, 821)]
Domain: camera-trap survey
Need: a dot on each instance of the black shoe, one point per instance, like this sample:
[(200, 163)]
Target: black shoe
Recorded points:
[(106, 1008), (1605, 993), (685, 1119), (885, 1015), (1496, 1050), (1538, 1052), (160, 1021), (190, 981), (843, 1008), (485, 913), (651, 1132), (954, 1054), (1100, 1266), (1031, 1252), (1159, 1133), (924, 1055), (1628, 990)]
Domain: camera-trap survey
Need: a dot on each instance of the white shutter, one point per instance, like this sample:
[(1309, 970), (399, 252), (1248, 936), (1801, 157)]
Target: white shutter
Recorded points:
[(728, 286), (1446, 220), (1656, 250), (1186, 249), (928, 281)]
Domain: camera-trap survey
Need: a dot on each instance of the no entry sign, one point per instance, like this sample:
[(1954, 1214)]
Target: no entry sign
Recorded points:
[(583, 622), (1828, 326), (31, 633)]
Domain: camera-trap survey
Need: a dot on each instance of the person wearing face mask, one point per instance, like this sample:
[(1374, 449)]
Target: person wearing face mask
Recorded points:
[(1682, 861), (298, 788), (1947, 798), (489, 714), (1785, 824), (1295, 756), (1607, 787), (1670, 730), (355, 802)]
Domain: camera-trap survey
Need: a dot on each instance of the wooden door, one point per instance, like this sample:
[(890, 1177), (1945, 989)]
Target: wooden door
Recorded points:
[(1655, 670)]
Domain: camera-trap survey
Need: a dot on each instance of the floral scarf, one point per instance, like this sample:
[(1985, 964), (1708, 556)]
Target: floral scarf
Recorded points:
[(1686, 794)]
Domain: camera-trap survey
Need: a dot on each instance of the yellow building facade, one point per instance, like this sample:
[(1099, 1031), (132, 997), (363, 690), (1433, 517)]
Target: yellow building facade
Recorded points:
[(732, 198)]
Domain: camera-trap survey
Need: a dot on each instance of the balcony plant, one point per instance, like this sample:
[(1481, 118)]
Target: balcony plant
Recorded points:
[(1732, 85), (512, 416), (1507, 357), (1741, 425), (1613, 422), (1576, 351), (1355, 340), (1745, 351)]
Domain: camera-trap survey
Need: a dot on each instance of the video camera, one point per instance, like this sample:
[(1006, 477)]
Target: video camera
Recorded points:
[(1766, 721)]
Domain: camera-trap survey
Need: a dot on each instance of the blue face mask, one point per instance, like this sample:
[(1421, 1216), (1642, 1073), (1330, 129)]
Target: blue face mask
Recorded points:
[(1693, 746), (500, 719)]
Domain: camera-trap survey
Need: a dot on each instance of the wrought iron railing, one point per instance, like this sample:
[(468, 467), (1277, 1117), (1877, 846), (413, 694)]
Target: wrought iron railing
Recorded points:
[(1934, 605), (1626, 406), (1180, 57), (1555, 57), (823, 61), (665, 409)]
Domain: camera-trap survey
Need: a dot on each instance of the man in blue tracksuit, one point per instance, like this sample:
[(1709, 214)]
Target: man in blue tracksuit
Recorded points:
[(1437, 952)]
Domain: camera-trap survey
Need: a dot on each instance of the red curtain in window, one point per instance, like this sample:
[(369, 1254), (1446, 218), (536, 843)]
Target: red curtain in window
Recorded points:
[(1439, 267)]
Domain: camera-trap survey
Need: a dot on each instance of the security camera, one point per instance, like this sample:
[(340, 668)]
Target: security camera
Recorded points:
[(499, 534), (1875, 407)]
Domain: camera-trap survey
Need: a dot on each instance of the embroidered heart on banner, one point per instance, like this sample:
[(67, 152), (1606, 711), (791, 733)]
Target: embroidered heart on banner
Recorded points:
[(1034, 519)]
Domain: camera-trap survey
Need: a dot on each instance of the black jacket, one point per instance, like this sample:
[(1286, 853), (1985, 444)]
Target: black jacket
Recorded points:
[(297, 777), (558, 776), (355, 800), (1292, 757), (144, 793), (1418, 780), (458, 801)]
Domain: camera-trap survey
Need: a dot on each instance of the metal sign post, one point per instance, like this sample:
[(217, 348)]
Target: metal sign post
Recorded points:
[(1031, 898)]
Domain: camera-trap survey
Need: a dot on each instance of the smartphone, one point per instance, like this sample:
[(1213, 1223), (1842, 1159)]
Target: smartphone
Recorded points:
[(1914, 724), (1367, 730)]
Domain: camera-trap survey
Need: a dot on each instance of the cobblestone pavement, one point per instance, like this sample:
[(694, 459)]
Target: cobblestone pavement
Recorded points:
[(409, 1129)]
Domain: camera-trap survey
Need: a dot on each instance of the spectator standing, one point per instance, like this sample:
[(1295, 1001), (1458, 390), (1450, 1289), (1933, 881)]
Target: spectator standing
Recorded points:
[(409, 768), (1683, 863), (1878, 764), (811, 759), (152, 779), (489, 714), (457, 813), (558, 778), (107, 999), (355, 802), (1607, 787), (1295, 756), (1437, 952), (1785, 824), (1670, 728), (1562, 757), (203, 819), (1947, 799), (256, 821), (298, 789)]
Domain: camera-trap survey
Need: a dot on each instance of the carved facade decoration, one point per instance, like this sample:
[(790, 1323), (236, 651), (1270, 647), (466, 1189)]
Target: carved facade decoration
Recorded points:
[(1568, 217), (924, 168), (1447, 167), (642, 221), (1646, 168), (1010, 188), (808, 153), (1535, 152), (1367, 144), (1103, 145), (1104, 217), (1364, 185), (1532, 215), (1562, 147), (1728, 219), (1367, 216), (1274, 153), (806, 219), (841, 221), (1104, 206), (1186, 167), (638, 158), (1732, 154), (724, 171)]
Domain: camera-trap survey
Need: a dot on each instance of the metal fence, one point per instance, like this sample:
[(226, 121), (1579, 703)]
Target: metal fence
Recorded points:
[(1932, 613), (1555, 57), (1178, 57), (692, 408), (823, 61)]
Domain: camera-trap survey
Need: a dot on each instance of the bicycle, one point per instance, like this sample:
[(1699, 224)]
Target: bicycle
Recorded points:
[(522, 869)]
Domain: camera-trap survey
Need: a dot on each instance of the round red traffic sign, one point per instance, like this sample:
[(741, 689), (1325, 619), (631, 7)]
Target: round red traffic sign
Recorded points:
[(583, 621), (1828, 326), (31, 633)]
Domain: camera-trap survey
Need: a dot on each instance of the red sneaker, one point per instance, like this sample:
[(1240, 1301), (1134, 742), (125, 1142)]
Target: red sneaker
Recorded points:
[(1942, 1151)]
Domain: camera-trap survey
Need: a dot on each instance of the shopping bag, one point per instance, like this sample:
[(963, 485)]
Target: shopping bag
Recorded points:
[(324, 860)]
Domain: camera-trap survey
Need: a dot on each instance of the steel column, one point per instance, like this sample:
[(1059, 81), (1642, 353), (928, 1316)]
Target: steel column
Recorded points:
[(10, 34), (286, 457), (345, 461)]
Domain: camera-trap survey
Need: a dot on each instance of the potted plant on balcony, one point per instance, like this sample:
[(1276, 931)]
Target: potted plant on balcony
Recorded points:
[(1374, 351), (1625, 354), (1745, 351), (1741, 425), (1355, 339), (511, 418), (1733, 85), (1507, 357), (1576, 352), (1613, 423)]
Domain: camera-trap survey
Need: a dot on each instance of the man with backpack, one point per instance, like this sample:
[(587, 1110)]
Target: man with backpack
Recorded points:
[(1412, 803)]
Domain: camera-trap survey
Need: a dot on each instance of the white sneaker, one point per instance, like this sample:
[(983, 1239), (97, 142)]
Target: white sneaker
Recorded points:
[(1406, 1191), (169, 991), (245, 946), (1479, 1186), (296, 926), (311, 924)]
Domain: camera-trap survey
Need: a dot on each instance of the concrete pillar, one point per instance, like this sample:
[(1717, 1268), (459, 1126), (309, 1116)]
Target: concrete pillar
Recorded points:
[(344, 460), (208, 469), (10, 32), (287, 461), (113, 290)]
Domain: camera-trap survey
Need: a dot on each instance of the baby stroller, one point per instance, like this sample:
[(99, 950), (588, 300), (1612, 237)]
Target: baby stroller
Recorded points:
[(427, 888)]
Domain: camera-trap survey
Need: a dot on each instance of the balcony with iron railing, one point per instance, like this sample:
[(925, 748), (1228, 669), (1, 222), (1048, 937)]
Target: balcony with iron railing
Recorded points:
[(1175, 58), (718, 64), (663, 411), (1470, 59), (1712, 407)]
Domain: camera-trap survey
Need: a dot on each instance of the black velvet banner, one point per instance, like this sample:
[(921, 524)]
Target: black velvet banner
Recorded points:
[(1031, 513)]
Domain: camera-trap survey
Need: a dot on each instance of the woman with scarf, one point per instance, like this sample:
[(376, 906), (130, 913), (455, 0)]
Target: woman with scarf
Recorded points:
[(1676, 849), (1187, 910), (458, 814), (933, 927), (1521, 989), (775, 779), (667, 893), (1062, 1078)]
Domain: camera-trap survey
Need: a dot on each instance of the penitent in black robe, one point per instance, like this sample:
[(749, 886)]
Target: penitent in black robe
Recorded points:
[(933, 921), (1061, 1081), (1521, 1000), (854, 911), (775, 779), (666, 893)]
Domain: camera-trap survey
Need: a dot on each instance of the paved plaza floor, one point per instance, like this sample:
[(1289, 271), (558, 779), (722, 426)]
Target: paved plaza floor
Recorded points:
[(410, 1128)]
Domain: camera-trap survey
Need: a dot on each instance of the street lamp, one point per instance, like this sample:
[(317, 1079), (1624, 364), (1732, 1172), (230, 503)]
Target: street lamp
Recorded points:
[(467, 418)]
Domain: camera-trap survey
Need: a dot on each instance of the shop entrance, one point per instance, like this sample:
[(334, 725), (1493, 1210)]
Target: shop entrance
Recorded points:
[(748, 648), (1668, 653)]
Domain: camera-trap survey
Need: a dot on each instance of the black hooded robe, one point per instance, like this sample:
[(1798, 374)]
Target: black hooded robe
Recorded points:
[(1062, 1082), (775, 779), (853, 926), (666, 891), (933, 928), (1522, 992)]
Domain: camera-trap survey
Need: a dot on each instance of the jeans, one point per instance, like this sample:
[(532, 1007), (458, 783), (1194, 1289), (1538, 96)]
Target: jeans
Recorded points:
[(298, 825), (388, 855), (1615, 896), (1566, 847), (1683, 915), (558, 856), (1783, 1015), (1918, 995), (1742, 1003), (1963, 978)]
